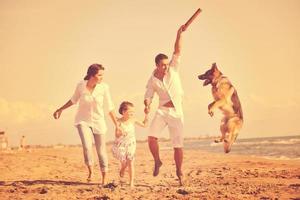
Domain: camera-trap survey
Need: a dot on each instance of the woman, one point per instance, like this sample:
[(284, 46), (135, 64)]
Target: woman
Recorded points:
[(89, 120)]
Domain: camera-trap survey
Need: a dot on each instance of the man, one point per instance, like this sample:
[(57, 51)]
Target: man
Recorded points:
[(165, 81)]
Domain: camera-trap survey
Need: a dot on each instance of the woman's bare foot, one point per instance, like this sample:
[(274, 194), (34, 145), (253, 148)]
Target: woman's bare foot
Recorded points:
[(132, 185), (90, 175), (89, 178), (104, 182)]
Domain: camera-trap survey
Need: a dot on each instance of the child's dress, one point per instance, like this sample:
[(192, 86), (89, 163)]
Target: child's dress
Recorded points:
[(124, 146)]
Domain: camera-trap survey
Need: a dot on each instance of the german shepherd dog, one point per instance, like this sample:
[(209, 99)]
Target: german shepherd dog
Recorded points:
[(227, 100)]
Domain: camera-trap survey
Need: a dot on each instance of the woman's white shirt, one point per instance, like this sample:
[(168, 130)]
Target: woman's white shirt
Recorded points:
[(90, 109)]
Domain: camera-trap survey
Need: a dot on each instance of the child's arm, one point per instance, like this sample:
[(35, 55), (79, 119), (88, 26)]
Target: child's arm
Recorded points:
[(143, 123)]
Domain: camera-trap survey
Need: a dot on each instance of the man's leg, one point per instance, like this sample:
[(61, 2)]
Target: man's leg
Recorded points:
[(178, 157), (157, 125), (154, 148), (175, 125)]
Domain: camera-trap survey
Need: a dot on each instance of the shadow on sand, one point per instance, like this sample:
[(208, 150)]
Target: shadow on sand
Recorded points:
[(45, 182)]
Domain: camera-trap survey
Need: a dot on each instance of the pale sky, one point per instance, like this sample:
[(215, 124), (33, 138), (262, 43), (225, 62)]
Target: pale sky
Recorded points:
[(47, 46)]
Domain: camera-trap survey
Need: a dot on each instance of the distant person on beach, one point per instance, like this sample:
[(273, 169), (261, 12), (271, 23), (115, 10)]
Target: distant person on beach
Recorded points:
[(125, 143), (3, 141), (90, 121), (22, 142), (165, 81)]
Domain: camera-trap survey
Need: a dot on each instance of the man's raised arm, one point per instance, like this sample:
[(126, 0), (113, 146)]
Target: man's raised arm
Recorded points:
[(177, 46)]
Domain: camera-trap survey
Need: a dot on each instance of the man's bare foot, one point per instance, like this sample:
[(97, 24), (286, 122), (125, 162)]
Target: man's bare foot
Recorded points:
[(180, 177), (157, 165)]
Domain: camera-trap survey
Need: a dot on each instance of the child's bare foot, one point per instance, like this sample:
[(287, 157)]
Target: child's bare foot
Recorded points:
[(157, 165), (122, 171), (104, 182)]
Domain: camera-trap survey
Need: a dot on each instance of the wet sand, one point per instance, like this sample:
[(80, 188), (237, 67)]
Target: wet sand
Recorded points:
[(49, 173)]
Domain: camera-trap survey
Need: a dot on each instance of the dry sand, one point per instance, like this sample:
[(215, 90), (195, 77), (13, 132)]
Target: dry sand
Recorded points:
[(61, 174)]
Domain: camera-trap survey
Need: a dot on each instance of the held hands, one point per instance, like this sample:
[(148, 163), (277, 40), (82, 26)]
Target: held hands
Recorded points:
[(118, 131), (146, 119), (147, 103), (57, 113), (147, 110)]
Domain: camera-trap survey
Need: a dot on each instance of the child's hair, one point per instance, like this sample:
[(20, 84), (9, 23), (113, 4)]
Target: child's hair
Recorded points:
[(124, 106)]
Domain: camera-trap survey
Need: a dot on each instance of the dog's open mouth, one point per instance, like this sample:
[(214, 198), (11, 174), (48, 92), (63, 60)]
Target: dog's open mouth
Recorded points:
[(206, 80)]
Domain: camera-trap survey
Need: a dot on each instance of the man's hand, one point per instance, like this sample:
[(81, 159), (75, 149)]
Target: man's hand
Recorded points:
[(181, 29), (177, 46), (147, 103), (147, 110)]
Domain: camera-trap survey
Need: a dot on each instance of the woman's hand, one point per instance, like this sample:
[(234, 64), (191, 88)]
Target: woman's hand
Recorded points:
[(118, 131), (57, 113)]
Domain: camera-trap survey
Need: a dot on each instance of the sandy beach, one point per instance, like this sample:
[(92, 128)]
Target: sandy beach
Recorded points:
[(59, 173)]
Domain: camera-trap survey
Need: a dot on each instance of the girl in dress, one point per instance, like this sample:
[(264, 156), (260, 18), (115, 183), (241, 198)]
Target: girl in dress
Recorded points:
[(125, 142)]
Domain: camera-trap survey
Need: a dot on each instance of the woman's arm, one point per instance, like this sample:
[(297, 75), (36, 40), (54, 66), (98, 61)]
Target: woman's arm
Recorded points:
[(115, 120), (58, 112), (74, 99)]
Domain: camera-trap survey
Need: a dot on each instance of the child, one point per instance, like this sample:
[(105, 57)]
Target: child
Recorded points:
[(125, 143)]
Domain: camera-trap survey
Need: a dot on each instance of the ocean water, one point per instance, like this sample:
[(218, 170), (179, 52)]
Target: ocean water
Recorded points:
[(282, 148)]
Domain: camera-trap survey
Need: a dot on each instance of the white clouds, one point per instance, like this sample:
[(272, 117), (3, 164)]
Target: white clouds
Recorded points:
[(20, 112)]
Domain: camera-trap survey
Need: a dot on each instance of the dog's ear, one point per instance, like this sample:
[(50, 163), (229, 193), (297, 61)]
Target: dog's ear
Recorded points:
[(214, 67)]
